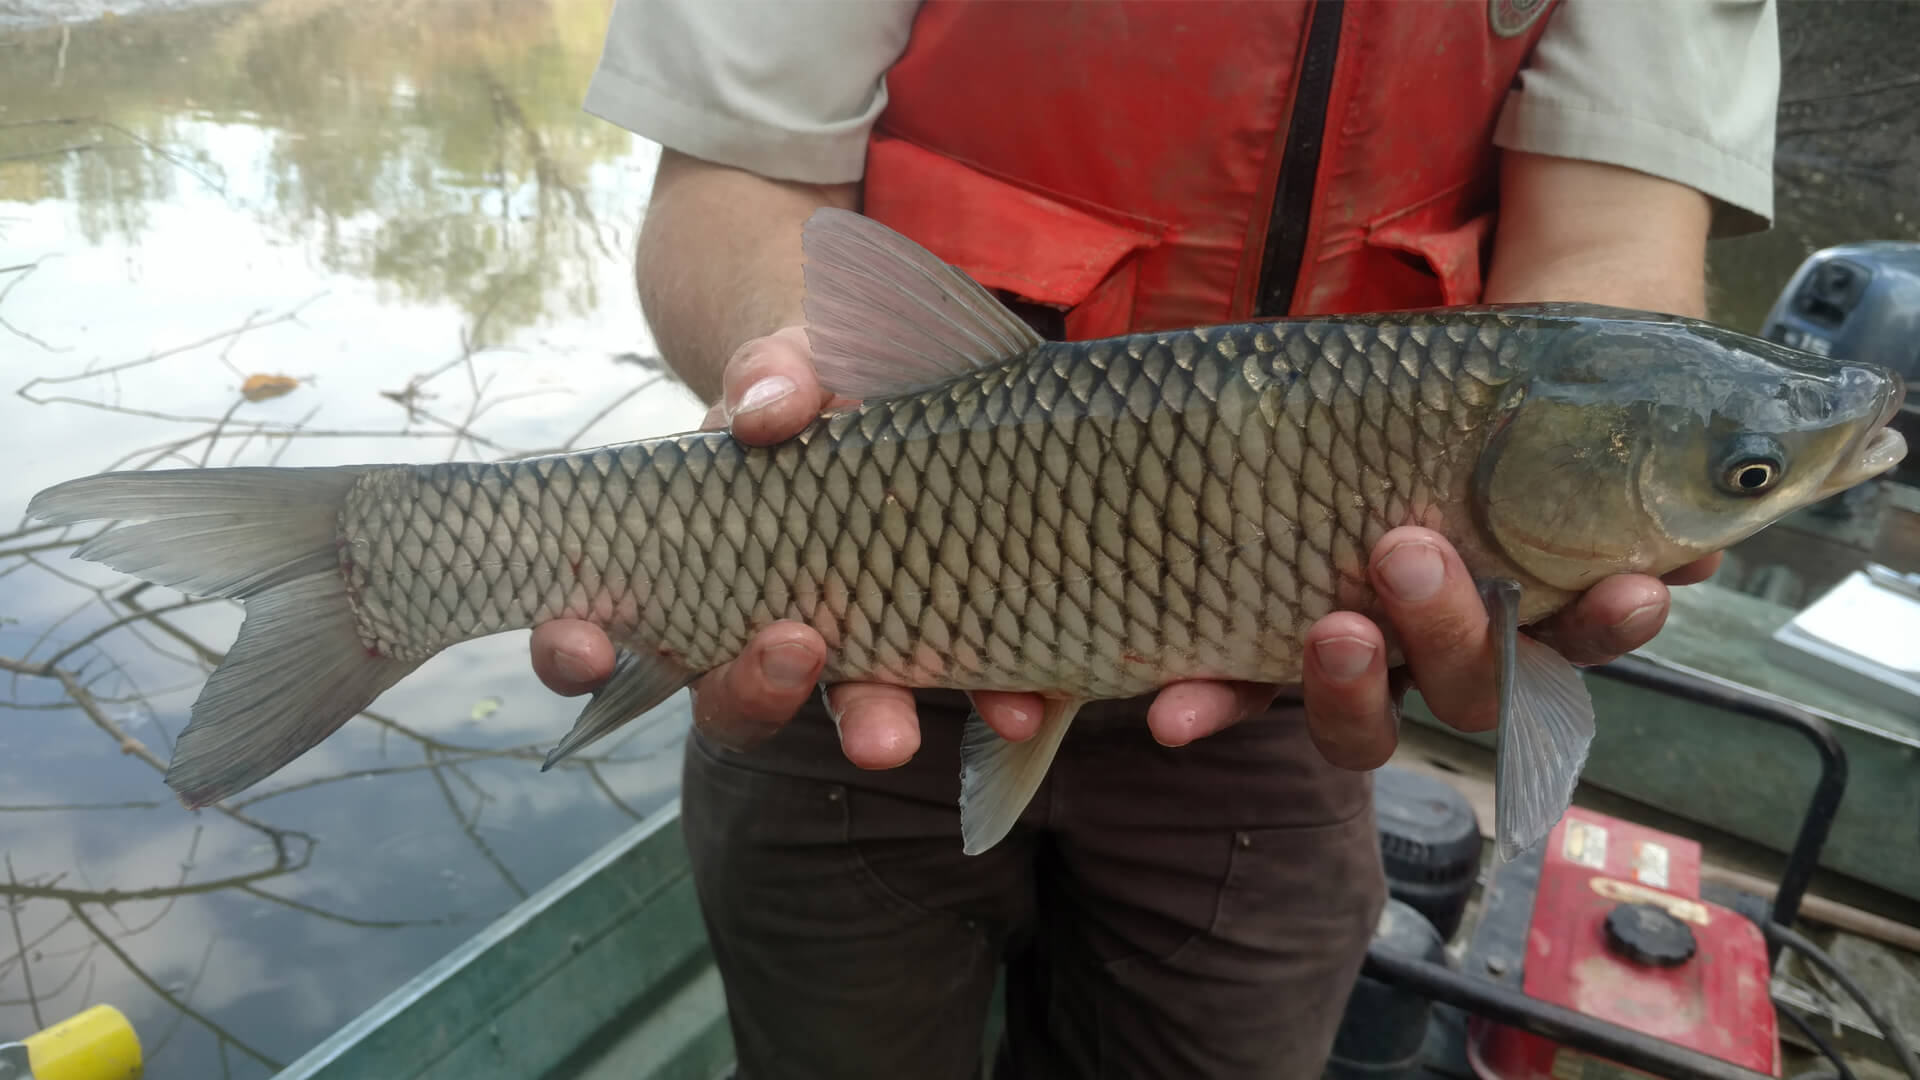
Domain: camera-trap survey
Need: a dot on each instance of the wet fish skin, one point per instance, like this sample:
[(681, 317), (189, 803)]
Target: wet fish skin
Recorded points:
[(1084, 520), (1095, 518)]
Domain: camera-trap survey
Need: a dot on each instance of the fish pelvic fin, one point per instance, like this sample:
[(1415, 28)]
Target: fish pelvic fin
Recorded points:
[(1546, 727), (267, 537), (638, 683), (998, 777), (887, 317)]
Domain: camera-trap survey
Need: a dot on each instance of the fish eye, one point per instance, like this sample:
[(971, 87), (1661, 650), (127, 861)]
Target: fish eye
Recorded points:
[(1753, 477), (1753, 466)]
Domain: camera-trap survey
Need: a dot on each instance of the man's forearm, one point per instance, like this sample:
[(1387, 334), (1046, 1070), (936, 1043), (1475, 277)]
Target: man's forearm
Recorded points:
[(1575, 230), (719, 260)]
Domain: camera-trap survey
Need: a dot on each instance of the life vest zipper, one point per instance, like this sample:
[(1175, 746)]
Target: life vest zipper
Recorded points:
[(1286, 240)]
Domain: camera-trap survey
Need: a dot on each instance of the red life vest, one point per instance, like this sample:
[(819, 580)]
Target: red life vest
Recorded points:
[(1121, 159)]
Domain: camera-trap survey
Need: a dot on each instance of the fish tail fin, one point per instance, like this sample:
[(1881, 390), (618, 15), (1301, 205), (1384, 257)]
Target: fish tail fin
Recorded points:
[(267, 537)]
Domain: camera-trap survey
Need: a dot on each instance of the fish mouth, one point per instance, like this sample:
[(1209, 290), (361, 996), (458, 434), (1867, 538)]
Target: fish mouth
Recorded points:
[(1879, 446)]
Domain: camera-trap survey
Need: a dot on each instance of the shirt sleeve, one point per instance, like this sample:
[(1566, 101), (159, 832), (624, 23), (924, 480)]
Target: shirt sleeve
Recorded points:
[(789, 89), (1685, 90)]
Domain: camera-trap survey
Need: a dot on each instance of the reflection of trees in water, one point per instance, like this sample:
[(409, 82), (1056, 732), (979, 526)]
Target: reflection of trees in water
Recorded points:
[(59, 932), (435, 146)]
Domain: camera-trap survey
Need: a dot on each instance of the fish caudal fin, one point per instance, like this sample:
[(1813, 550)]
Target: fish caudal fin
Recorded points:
[(296, 673), (1546, 727), (998, 776), (268, 537), (638, 683)]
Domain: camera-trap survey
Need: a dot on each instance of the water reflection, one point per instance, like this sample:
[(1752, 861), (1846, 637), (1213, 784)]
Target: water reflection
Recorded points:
[(435, 147), (303, 232)]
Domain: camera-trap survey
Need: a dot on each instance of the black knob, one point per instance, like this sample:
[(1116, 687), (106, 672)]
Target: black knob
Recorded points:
[(1649, 935)]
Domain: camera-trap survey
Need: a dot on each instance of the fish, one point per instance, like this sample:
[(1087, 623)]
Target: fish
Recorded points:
[(1084, 519)]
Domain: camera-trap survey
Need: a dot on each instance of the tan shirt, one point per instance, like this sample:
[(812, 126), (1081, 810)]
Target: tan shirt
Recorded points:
[(1681, 89)]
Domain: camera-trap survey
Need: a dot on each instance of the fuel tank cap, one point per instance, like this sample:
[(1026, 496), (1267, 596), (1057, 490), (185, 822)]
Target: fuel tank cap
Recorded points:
[(1649, 934)]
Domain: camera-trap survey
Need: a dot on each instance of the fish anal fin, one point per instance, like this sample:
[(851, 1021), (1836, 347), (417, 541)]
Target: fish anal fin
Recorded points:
[(886, 317), (639, 682), (998, 777)]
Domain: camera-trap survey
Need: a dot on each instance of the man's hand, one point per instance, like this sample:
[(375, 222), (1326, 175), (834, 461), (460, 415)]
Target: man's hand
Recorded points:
[(1438, 615), (770, 392)]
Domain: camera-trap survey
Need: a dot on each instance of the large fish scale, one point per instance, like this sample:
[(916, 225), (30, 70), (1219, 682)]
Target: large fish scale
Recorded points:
[(1091, 518)]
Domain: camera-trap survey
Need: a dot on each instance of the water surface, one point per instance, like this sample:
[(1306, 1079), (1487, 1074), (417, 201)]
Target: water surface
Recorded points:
[(397, 217)]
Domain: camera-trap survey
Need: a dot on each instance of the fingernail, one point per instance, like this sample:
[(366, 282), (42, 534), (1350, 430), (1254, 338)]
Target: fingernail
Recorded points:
[(1413, 571), (572, 666), (1640, 619), (788, 666), (763, 393), (1182, 732), (1344, 658)]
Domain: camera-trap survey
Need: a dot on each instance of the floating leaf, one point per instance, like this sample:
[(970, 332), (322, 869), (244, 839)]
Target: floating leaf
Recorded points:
[(484, 708), (262, 387)]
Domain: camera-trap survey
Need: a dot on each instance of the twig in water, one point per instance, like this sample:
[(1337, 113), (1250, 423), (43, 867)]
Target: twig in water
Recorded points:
[(226, 1037), (37, 808), (356, 774), (166, 1036), (138, 614), (348, 920), (292, 314), (469, 826), (284, 859), (571, 441), (593, 773), (51, 545), (20, 941), (60, 61), (16, 331)]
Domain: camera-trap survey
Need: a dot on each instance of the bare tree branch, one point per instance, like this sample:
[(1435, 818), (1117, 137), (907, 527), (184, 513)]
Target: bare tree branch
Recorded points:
[(20, 942), (226, 1037), (334, 916)]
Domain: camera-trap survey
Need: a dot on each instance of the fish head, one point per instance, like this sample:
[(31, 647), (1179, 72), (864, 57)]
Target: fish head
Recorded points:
[(1640, 445)]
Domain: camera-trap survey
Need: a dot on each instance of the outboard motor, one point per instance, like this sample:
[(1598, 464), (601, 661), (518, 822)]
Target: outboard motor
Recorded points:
[(1858, 302)]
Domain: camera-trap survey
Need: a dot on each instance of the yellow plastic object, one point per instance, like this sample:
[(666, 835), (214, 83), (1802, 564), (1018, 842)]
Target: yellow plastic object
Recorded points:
[(98, 1044)]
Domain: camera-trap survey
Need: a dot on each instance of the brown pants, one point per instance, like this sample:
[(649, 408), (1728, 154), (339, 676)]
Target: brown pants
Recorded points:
[(1196, 913)]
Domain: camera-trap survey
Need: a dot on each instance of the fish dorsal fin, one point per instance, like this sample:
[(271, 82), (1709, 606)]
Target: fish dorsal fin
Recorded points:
[(1546, 727), (885, 317)]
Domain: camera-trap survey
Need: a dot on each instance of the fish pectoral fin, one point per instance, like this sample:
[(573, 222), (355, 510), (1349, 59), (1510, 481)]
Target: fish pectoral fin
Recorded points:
[(998, 776), (637, 684), (1546, 727), (886, 317)]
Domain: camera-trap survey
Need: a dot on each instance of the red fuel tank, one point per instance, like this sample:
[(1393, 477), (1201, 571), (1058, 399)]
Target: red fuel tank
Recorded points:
[(1619, 932)]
